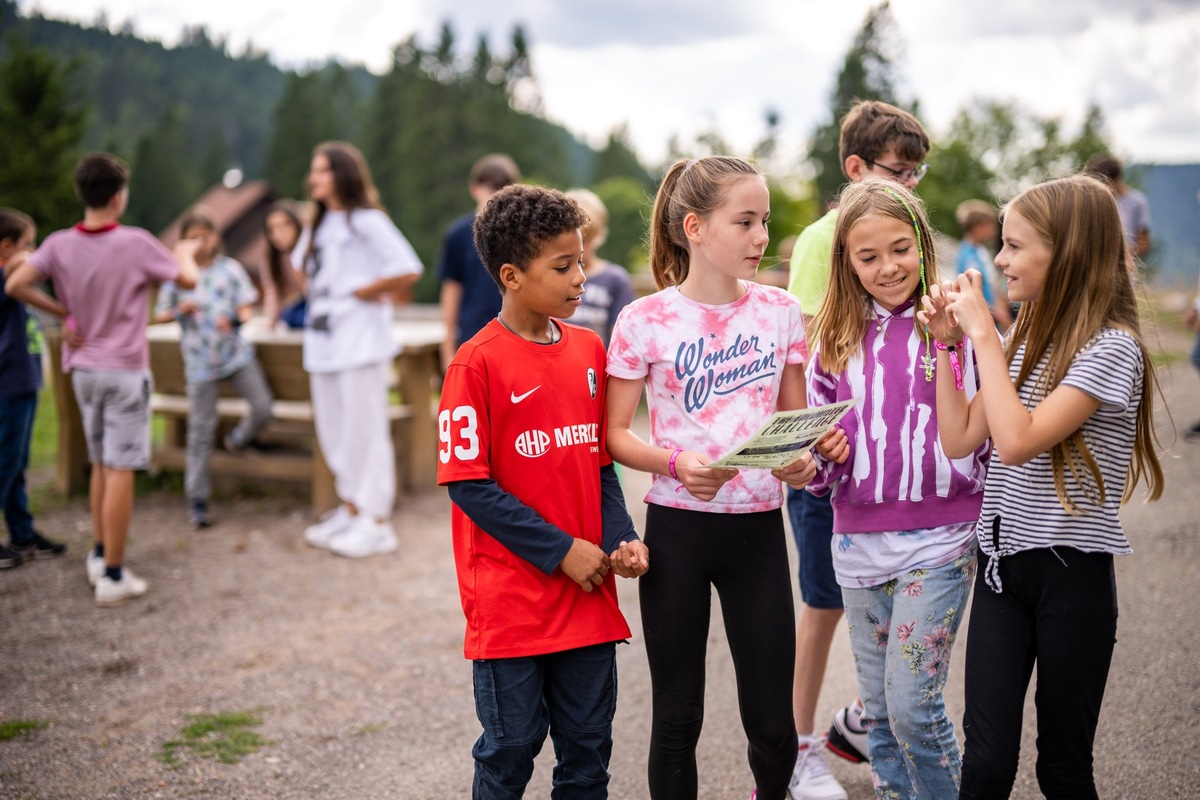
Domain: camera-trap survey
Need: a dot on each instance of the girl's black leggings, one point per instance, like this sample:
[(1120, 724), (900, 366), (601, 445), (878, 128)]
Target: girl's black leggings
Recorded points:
[(1057, 612), (744, 556)]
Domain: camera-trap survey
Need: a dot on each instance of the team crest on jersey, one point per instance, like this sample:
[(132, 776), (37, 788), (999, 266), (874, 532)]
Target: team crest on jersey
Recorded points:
[(533, 444), (592, 382)]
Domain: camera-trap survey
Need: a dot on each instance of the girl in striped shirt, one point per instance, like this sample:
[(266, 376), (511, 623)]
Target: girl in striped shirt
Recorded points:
[(1066, 399)]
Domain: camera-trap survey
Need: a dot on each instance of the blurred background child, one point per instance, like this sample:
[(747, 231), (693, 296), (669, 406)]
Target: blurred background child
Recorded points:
[(979, 226), (21, 366), (469, 298), (282, 289), (608, 288), (209, 317)]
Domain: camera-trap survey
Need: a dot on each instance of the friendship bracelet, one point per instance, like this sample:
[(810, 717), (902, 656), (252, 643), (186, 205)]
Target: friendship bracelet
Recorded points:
[(671, 464), (951, 351)]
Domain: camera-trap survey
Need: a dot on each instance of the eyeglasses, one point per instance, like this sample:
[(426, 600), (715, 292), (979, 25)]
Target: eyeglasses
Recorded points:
[(902, 175)]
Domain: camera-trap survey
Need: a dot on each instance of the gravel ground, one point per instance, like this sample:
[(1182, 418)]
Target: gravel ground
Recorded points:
[(356, 668)]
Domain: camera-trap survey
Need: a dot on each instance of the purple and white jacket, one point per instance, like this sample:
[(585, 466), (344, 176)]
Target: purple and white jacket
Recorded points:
[(897, 477)]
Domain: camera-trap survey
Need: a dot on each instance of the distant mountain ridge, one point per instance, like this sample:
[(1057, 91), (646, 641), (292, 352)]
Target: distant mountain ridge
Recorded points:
[(132, 82)]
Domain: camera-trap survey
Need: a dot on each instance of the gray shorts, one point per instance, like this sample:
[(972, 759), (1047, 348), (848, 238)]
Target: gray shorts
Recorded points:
[(115, 408)]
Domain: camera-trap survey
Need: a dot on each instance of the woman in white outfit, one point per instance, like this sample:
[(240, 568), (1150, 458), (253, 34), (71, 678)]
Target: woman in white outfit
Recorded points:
[(353, 261)]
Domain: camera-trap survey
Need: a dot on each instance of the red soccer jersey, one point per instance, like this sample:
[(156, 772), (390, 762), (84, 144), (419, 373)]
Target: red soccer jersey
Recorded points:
[(531, 417)]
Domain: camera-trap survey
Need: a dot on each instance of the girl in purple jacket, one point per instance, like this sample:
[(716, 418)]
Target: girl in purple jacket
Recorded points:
[(904, 513)]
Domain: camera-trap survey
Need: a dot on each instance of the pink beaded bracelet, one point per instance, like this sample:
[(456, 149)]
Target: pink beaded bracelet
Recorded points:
[(671, 463)]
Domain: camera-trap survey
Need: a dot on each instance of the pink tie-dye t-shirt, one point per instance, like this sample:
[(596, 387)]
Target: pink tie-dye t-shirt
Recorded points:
[(712, 378)]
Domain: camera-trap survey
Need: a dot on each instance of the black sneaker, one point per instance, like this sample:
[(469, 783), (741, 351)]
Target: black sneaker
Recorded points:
[(39, 547), (9, 558), (198, 514)]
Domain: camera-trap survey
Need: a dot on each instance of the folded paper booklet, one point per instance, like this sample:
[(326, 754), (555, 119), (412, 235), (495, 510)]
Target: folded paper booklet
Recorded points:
[(785, 437)]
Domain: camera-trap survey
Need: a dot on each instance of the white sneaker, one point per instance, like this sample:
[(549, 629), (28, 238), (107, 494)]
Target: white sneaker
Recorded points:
[(95, 566), (365, 537), (330, 525), (811, 778), (113, 593)]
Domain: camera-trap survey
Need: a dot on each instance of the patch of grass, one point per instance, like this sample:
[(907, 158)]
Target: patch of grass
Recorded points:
[(225, 736), (43, 450), (12, 728)]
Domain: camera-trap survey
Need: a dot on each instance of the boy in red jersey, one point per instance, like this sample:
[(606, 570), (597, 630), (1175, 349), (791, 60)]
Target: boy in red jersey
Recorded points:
[(539, 519)]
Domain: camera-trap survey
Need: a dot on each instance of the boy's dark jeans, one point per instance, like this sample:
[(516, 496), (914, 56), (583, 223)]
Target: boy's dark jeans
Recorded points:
[(1058, 612), (16, 428), (571, 694)]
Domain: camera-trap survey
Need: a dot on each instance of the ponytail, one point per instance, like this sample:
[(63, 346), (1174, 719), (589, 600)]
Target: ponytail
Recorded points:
[(691, 186)]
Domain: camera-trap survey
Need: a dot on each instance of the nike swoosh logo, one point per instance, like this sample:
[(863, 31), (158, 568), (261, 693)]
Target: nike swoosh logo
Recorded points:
[(516, 398)]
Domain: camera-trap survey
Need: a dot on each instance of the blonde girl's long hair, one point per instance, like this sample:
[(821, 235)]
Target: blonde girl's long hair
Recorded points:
[(841, 321), (691, 186), (1087, 287)]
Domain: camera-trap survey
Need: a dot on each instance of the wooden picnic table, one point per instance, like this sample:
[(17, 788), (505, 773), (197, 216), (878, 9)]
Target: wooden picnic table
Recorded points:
[(417, 331)]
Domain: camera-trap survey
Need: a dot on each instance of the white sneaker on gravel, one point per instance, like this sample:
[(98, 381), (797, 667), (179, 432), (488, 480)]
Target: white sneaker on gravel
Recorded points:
[(365, 537), (95, 566), (113, 593), (329, 526), (811, 778)]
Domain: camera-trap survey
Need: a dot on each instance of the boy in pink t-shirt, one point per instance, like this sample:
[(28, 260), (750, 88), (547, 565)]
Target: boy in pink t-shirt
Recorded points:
[(103, 273)]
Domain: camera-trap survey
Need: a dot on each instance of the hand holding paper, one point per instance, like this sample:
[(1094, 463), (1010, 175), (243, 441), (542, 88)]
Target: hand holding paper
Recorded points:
[(701, 479), (834, 446), (799, 473)]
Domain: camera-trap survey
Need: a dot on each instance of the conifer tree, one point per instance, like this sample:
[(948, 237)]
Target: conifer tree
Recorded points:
[(43, 122)]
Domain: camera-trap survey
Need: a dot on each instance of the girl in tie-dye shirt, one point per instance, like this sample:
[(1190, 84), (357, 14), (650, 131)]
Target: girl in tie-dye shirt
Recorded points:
[(717, 354)]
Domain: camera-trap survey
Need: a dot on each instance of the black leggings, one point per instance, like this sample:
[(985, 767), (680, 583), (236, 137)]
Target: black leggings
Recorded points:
[(1058, 611), (745, 557)]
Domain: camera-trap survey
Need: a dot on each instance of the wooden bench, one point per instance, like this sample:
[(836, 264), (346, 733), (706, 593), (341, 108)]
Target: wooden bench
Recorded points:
[(293, 453)]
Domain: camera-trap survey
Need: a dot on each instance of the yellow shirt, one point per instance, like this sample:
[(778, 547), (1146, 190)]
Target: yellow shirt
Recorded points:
[(809, 267)]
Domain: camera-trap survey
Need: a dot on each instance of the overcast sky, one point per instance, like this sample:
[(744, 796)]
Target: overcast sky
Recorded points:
[(681, 66)]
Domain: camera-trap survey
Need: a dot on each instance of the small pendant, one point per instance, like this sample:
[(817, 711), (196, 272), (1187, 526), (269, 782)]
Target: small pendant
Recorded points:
[(928, 364)]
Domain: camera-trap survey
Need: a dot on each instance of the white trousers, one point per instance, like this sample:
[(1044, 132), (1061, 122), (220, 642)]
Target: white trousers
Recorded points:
[(350, 410)]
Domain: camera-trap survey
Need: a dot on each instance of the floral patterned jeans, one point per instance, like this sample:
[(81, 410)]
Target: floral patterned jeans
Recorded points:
[(901, 633)]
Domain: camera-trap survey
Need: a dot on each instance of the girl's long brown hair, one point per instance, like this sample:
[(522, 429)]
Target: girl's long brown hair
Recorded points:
[(351, 182), (841, 321), (1088, 287), (691, 186)]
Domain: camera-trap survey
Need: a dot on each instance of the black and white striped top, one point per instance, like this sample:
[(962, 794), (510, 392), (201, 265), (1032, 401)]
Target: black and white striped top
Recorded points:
[(1021, 510)]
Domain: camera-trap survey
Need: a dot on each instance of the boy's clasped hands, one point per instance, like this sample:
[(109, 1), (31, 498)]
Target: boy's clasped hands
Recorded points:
[(587, 565)]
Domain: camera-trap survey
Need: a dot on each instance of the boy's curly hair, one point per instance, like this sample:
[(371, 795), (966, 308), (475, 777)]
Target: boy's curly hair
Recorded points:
[(518, 221)]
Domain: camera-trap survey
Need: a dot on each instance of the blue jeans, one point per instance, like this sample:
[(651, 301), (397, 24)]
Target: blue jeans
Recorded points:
[(571, 694), (901, 633), (16, 431), (1196, 352), (812, 528)]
